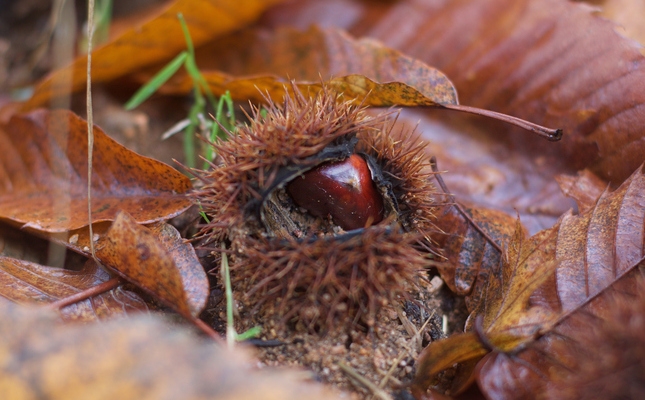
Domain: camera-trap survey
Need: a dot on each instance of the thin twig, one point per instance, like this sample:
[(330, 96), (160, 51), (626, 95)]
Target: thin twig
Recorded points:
[(442, 184), (86, 294), (376, 391), (390, 372), (90, 123)]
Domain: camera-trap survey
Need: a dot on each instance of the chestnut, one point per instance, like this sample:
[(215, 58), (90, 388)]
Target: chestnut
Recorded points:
[(343, 190), (324, 209)]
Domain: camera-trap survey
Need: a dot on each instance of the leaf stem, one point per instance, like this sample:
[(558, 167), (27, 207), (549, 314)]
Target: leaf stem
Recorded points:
[(552, 135), (458, 207), (86, 294)]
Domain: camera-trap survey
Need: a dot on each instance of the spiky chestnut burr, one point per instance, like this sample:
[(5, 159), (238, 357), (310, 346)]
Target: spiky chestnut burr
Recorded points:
[(299, 262)]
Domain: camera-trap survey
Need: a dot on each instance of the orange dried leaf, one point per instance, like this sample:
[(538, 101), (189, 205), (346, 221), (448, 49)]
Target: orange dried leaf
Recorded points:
[(158, 261), (443, 354), (153, 41), (360, 68), (43, 176)]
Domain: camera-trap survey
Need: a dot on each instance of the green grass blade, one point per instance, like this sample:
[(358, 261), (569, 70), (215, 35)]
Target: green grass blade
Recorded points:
[(155, 83), (250, 334), (189, 40)]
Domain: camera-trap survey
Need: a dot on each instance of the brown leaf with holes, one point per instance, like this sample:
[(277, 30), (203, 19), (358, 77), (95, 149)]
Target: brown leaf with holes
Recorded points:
[(156, 40), (558, 272), (134, 358), (363, 69), (26, 282), (43, 176), (156, 260)]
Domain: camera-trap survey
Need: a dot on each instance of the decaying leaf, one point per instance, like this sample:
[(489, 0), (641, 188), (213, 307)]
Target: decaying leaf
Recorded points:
[(156, 40), (552, 275), (130, 358), (156, 260), (43, 176), (26, 282), (363, 69)]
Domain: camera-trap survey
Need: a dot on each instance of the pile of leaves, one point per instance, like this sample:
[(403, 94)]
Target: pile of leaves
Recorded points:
[(554, 269)]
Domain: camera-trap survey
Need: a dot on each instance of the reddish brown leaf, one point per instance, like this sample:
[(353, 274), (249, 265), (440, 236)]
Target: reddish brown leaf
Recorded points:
[(156, 260), (30, 283), (43, 176), (468, 253), (588, 253), (601, 245), (585, 188), (129, 359), (551, 62), (595, 353), (153, 41), (628, 15), (362, 69)]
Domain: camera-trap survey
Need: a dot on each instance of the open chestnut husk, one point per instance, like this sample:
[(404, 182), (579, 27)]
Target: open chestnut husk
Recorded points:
[(324, 210)]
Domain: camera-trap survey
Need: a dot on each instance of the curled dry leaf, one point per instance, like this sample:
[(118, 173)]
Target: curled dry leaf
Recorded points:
[(158, 39), (567, 266), (158, 261), (128, 359), (362, 69), (43, 176), (26, 282)]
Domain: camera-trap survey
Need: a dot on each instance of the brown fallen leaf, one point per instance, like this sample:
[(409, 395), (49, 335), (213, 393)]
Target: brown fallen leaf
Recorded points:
[(596, 353), (362, 69), (549, 277), (153, 41), (134, 358), (468, 253), (26, 282), (628, 14), (585, 188), (551, 62), (157, 261), (43, 176)]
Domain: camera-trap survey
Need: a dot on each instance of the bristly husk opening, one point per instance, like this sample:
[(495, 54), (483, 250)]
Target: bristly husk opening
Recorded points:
[(303, 267)]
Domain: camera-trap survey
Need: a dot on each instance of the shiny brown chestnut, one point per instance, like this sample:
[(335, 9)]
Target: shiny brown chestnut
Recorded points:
[(343, 190)]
